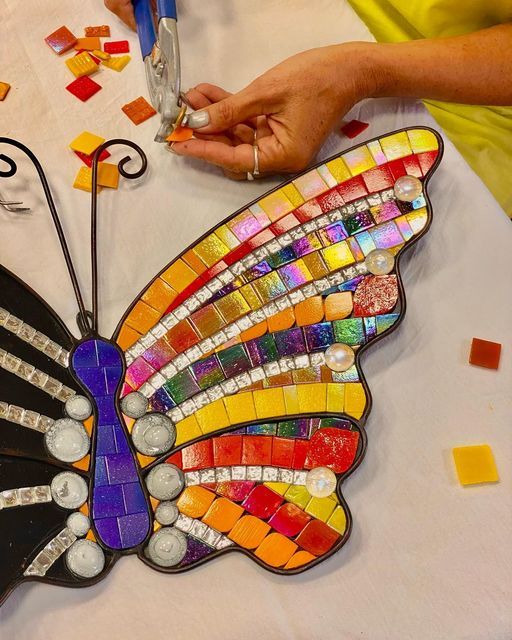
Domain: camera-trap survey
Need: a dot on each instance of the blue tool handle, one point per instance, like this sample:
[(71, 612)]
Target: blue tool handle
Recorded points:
[(167, 9), (145, 25)]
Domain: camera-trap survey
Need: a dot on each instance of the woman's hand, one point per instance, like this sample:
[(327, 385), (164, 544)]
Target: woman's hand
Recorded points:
[(289, 111)]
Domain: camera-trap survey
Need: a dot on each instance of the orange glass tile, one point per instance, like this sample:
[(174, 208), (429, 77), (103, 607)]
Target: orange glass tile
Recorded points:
[(276, 550), (207, 320), (90, 536), (88, 44), (485, 353), (159, 295), (232, 306), (195, 501), (182, 336), (338, 305), (269, 403), (108, 175), (310, 374), (83, 464), (100, 31), (181, 134), (315, 265), (299, 559), (249, 532), (61, 40), (222, 515), (194, 262), (127, 337), (211, 249), (254, 332), (309, 311), (4, 90), (142, 317), (138, 110), (179, 275), (279, 380), (282, 320), (325, 374), (276, 205)]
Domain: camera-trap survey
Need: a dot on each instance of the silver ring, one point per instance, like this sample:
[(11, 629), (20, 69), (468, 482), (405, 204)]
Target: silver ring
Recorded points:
[(256, 171)]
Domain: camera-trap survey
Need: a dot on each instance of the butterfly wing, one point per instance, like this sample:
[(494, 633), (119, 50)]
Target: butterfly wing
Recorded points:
[(230, 341), (34, 384)]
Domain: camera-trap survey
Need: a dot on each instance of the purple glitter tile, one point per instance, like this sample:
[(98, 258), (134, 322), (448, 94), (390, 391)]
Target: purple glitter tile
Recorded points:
[(332, 234), (108, 531), (234, 360), (134, 528), (105, 440), (351, 285), (134, 498), (207, 372), (106, 410), (100, 472), (121, 468), (293, 275), (283, 256), (112, 379), (262, 350), (290, 342), (161, 401), (319, 336), (257, 271), (107, 501), (195, 551), (386, 211), (306, 245), (85, 355), (386, 236)]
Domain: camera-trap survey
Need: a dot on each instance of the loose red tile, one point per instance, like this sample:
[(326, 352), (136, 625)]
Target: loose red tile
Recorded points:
[(317, 537), (485, 353), (282, 452), (197, 456), (257, 450), (83, 88), (61, 40), (262, 502), (227, 451), (117, 46), (354, 128), (333, 448), (87, 159), (289, 519)]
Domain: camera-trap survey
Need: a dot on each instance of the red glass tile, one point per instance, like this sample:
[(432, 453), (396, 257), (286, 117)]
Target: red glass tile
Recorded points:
[(317, 537), (96, 60), (289, 519), (262, 502), (412, 166), (308, 211), (282, 452), (236, 490), (197, 456), (330, 200), (333, 448), (182, 336), (426, 160), (87, 159), (256, 450), (485, 353), (284, 224), (264, 236), (61, 40), (176, 460), (118, 46), (397, 169), (378, 178), (237, 254), (353, 128), (227, 451), (83, 88), (352, 189), (299, 454)]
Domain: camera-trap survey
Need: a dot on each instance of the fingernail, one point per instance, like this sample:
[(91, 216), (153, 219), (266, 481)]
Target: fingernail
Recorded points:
[(198, 119), (170, 148)]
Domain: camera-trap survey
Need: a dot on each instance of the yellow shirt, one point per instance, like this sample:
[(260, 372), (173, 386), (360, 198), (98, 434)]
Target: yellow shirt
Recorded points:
[(482, 134)]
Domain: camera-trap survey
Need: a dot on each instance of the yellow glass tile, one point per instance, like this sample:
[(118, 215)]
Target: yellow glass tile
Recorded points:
[(212, 417), (250, 296), (108, 175), (376, 151), (102, 55), (194, 262), (117, 63), (355, 399), (309, 374), (312, 397), (396, 146), (211, 250), (279, 487), (298, 494), (4, 90), (227, 237), (276, 549), (315, 265), (257, 331), (195, 501), (336, 397), (475, 464), (310, 184), (291, 400), (293, 195), (81, 65), (83, 179), (338, 520), (240, 407), (339, 170), (417, 219), (320, 508), (359, 160), (338, 305), (142, 317), (337, 255), (269, 286), (144, 460), (269, 403), (276, 205), (127, 337), (207, 321), (86, 143), (179, 275), (187, 429), (159, 295), (299, 559), (232, 306), (422, 140), (282, 320)]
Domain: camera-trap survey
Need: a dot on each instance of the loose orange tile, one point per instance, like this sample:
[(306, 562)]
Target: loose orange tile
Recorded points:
[(249, 532), (195, 501), (222, 515), (4, 90), (101, 31), (88, 44), (108, 175), (181, 134), (138, 110), (61, 40), (485, 353), (309, 311), (276, 550)]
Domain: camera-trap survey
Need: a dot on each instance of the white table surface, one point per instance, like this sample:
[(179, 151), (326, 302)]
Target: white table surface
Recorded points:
[(427, 559)]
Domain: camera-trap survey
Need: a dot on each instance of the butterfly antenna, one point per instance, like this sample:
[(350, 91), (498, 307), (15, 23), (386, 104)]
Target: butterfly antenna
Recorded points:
[(7, 173), (130, 175)]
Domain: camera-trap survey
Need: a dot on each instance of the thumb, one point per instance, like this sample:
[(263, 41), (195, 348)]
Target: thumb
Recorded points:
[(226, 113)]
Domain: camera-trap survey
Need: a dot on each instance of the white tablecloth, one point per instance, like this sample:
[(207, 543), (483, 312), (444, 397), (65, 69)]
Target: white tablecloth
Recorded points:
[(427, 559)]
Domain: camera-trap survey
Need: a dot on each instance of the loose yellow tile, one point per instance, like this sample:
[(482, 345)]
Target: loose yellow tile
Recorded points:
[(475, 464), (86, 143), (81, 65), (108, 175), (117, 63)]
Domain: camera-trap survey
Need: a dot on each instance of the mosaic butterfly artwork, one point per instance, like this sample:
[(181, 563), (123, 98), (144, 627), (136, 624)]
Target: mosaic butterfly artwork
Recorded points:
[(229, 406)]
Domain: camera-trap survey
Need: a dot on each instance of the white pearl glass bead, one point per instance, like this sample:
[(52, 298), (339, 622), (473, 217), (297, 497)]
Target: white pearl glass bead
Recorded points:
[(85, 558), (321, 482), (69, 490), (153, 434), (67, 440), (166, 513), (165, 481), (380, 262), (134, 405), (167, 547), (78, 523), (407, 188), (339, 357), (78, 407)]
